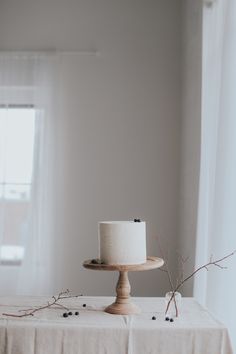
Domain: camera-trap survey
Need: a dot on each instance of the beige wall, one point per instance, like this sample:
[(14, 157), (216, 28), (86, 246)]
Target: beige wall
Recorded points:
[(190, 131), (119, 151)]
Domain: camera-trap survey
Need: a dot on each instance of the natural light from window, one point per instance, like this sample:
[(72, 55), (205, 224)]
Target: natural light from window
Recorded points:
[(16, 152), (17, 130)]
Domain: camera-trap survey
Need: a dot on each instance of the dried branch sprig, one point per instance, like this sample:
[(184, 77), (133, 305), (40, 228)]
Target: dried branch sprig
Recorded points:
[(204, 266), (167, 271), (181, 263), (50, 304)]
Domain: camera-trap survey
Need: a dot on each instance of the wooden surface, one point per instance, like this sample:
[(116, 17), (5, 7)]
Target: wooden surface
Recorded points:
[(123, 304), (151, 263)]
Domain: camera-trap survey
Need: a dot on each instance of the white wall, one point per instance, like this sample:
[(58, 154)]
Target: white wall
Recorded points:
[(119, 151), (190, 131)]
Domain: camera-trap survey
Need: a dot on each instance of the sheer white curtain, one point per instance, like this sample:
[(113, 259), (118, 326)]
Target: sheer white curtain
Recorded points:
[(217, 198), (28, 79)]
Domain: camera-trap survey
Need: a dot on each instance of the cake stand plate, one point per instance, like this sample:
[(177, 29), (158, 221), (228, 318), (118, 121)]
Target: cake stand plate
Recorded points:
[(123, 304)]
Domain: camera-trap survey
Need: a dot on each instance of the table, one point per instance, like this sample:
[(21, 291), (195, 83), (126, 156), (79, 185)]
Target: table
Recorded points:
[(95, 331)]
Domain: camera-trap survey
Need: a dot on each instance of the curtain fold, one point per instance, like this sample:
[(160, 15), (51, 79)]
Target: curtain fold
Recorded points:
[(29, 79), (217, 191)]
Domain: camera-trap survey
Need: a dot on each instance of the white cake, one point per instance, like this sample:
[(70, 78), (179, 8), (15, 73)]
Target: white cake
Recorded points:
[(122, 242)]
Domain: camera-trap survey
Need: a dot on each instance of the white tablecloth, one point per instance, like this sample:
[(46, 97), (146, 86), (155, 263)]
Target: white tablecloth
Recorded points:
[(196, 331)]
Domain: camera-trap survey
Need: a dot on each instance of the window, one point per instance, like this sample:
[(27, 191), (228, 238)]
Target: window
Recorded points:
[(17, 127)]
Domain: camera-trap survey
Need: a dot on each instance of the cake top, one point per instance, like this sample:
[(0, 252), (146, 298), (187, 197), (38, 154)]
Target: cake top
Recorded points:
[(121, 222)]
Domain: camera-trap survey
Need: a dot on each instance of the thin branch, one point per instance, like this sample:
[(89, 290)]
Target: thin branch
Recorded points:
[(168, 274), (61, 306), (162, 270), (55, 302), (215, 263), (181, 263), (204, 266)]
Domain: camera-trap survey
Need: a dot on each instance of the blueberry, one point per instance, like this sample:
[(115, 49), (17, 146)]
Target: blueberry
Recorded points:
[(171, 320), (77, 313), (84, 305), (153, 318), (137, 220), (167, 318), (70, 313), (65, 314)]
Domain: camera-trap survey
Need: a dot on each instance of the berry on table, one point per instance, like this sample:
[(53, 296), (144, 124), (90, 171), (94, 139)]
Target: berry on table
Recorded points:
[(171, 320), (154, 318), (167, 319), (70, 313), (76, 313), (65, 314), (84, 305)]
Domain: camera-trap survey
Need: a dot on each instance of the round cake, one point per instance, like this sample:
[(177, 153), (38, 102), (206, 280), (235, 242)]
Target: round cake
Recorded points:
[(122, 242)]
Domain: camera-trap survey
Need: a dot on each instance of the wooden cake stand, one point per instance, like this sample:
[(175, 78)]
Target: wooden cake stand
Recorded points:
[(123, 304)]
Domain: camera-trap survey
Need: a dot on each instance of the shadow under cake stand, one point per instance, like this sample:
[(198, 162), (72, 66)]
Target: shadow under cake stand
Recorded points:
[(123, 304)]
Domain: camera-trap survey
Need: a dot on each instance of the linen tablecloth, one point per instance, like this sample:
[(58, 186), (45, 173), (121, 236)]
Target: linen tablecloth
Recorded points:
[(196, 331)]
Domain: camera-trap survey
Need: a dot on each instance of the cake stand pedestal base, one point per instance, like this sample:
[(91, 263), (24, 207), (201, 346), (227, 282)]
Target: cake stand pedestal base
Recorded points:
[(123, 304)]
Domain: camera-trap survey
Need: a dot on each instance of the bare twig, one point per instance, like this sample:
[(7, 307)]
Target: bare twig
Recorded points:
[(204, 266), (54, 302), (181, 263), (166, 269)]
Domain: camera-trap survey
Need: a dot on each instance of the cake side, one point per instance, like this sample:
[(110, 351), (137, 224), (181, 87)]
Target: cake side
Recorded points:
[(122, 242)]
